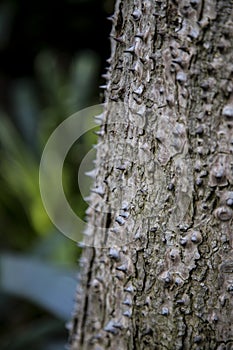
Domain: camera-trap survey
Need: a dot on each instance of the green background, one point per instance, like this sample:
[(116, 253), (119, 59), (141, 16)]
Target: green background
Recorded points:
[(52, 55)]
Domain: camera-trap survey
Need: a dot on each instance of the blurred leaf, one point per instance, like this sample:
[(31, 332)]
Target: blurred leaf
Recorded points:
[(26, 109), (19, 169), (55, 247), (54, 83), (83, 76), (48, 286)]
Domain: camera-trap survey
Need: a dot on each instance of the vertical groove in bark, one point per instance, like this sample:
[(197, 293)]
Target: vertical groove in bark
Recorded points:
[(166, 169)]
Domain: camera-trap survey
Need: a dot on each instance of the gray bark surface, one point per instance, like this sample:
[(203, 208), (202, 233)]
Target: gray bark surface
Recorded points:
[(164, 184)]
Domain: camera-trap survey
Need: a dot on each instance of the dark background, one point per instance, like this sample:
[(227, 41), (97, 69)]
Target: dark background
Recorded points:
[(52, 55)]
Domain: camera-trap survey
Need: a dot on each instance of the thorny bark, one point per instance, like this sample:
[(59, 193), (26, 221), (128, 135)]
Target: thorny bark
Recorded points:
[(171, 287)]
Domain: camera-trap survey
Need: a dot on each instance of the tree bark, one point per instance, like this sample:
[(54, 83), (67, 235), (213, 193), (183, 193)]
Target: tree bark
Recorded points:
[(161, 276)]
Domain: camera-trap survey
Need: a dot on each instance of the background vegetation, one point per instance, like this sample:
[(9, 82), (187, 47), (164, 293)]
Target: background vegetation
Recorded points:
[(51, 57)]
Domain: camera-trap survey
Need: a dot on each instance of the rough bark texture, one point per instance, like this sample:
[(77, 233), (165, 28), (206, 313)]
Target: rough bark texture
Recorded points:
[(166, 169)]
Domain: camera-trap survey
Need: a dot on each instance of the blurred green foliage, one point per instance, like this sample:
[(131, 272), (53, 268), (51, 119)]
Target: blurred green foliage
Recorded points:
[(40, 87), (19, 166)]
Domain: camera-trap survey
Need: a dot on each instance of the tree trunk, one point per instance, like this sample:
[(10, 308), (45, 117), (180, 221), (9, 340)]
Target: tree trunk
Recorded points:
[(161, 275)]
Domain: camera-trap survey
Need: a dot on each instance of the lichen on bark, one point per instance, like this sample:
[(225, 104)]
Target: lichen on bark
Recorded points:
[(163, 278)]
